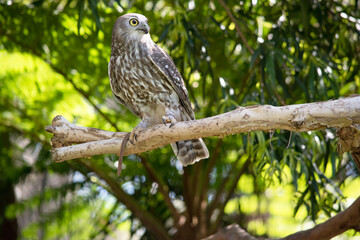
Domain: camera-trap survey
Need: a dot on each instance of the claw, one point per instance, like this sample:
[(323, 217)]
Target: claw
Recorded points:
[(135, 132), (169, 119), (132, 137), (164, 120)]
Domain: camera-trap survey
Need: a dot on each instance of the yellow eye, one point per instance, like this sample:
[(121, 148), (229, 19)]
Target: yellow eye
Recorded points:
[(134, 22)]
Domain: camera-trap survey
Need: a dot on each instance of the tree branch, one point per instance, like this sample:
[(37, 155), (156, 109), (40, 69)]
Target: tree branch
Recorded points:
[(343, 221), (229, 193), (301, 117), (149, 220), (164, 190)]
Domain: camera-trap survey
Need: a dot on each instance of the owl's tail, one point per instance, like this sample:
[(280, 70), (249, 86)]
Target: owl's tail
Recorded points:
[(190, 151)]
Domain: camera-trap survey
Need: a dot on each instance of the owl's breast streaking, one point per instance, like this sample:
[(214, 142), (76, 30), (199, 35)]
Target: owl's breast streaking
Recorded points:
[(137, 84)]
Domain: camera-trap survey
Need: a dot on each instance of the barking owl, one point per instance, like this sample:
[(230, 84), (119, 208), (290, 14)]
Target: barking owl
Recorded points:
[(144, 79)]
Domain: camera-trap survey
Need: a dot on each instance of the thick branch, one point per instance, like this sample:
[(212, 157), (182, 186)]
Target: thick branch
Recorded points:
[(301, 117), (343, 221), (164, 190)]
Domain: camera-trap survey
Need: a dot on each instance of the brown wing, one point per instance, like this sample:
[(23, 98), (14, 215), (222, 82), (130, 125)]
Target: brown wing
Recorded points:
[(163, 62)]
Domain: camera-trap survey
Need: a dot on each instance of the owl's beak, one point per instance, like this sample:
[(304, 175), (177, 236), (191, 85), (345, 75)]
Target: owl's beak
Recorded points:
[(145, 28)]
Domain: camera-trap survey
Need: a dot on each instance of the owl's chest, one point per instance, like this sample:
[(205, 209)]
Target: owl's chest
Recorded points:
[(137, 82)]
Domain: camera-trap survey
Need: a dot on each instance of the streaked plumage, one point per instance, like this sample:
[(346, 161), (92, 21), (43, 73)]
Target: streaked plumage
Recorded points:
[(145, 80)]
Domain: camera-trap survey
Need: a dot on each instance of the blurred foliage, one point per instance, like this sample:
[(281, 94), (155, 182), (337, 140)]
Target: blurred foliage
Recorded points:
[(54, 57)]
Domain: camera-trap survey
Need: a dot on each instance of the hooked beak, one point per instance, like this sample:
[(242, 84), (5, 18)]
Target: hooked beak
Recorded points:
[(145, 28)]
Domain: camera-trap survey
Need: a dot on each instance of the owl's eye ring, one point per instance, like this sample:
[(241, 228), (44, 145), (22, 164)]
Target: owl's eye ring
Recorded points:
[(134, 22)]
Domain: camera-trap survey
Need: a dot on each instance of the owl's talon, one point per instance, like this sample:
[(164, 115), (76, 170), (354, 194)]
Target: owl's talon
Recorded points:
[(132, 137), (136, 131), (131, 142), (169, 119)]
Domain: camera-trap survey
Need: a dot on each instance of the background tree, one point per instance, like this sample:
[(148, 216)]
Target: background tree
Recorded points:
[(54, 57)]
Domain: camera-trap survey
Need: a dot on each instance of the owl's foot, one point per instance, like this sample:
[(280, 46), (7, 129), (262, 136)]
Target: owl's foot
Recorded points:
[(169, 119), (135, 132)]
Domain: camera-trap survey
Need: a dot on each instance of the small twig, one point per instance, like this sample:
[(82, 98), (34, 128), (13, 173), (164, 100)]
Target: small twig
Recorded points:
[(277, 95), (288, 145), (236, 26), (271, 135)]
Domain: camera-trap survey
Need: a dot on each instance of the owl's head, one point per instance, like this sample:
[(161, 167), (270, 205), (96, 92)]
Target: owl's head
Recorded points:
[(132, 25)]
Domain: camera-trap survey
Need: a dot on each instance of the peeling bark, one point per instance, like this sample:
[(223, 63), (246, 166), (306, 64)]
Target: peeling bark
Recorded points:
[(349, 141)]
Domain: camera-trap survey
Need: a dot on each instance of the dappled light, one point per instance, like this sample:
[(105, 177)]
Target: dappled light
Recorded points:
[(54, 59)]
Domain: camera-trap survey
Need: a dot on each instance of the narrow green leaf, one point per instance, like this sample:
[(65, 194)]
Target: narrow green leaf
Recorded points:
[(166, 31), (80, 6), (270, 68), (94, 10)]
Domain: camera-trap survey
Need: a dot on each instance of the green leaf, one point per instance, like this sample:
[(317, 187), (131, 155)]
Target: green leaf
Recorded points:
[(94, 10), (80, 6)]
